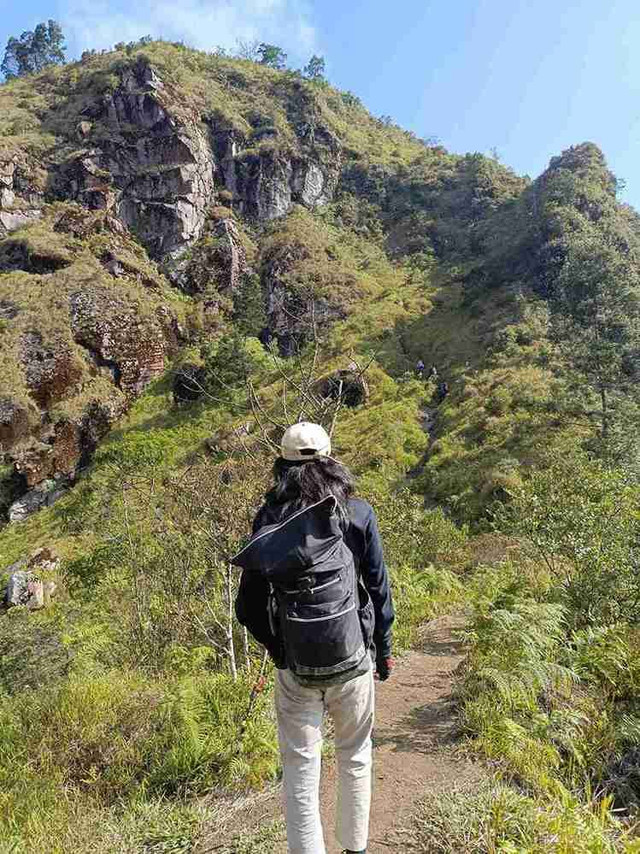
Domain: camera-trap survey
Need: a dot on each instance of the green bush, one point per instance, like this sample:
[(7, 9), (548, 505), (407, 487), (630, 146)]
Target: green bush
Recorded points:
[(581, 520)]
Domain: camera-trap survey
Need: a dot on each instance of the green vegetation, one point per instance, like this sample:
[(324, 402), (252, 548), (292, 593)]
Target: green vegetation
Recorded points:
[(34, 51), (519, 506)]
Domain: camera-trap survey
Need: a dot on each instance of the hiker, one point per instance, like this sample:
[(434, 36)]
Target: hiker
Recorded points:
[(443, 391), (420, 368), (315, 592), (433, 373)]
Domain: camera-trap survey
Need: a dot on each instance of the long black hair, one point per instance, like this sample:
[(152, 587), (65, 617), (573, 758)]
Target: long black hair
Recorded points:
[(299, 484)]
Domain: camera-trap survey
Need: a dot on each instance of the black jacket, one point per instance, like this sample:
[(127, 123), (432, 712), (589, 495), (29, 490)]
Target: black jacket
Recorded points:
[(363, 539)]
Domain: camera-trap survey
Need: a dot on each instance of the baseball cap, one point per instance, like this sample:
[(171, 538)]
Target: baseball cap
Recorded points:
[(304, 441)]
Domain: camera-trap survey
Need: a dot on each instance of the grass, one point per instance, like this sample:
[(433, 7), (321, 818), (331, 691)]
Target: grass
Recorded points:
[(493, 817), (268, 838)]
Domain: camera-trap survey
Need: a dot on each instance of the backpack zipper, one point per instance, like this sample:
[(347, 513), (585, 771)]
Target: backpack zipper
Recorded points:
[(320, 619), (314, 589)]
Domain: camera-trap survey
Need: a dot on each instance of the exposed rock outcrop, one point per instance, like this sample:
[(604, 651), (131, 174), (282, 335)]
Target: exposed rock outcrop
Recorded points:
[(14, 422), (216, 264), (130, 348), (20, 198), (159, 166), (51, 369), (29, 583), (138, 158), (43, 495), (155, 171), (265, 182)]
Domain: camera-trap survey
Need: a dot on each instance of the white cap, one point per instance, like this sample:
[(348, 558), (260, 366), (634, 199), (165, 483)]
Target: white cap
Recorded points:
[(304, 441)]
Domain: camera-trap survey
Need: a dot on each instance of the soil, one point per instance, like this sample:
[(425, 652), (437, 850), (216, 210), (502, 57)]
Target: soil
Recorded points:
[(415, 751)]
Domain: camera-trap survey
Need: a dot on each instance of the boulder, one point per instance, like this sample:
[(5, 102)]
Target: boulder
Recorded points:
[(12, 220), (27, 583), (25, 588)]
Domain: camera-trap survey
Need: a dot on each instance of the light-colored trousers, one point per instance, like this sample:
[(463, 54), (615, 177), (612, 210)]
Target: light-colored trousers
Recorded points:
[(300, 710)]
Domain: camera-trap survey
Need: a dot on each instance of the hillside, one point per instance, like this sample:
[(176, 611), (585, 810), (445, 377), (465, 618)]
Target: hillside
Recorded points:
[(195, 248)]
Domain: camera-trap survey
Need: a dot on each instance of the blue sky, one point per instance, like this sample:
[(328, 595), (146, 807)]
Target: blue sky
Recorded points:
[(524, 77)]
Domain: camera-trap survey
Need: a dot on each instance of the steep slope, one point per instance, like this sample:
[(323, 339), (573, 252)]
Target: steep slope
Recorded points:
[(166, 214), (189, 155)]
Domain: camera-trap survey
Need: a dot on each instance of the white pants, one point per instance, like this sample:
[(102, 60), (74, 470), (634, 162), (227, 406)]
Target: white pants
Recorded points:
[(300, 710)]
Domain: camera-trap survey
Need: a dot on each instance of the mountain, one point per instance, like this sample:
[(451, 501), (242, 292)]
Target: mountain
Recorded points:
[(196, 249)]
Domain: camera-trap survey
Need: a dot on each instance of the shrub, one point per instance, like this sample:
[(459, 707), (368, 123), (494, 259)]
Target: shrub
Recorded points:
[(581, 520)]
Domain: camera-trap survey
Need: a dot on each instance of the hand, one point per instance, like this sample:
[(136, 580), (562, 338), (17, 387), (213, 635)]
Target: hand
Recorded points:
[(384, 667)]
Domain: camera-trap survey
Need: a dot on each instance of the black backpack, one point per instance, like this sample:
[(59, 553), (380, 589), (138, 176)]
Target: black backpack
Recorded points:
[(317, 607)]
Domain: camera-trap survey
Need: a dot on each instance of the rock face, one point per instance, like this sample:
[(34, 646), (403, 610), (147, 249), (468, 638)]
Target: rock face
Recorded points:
[(155, 172), (14, 422), (19, 197), (51, 370), (265, 185), (266, 182), (159, 170), (48, 460), (138, 158), (128, 348)]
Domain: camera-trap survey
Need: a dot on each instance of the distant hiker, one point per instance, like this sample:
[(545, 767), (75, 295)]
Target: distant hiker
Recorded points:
[(442, 392), (420, 368), (433, 373), (315, 591)]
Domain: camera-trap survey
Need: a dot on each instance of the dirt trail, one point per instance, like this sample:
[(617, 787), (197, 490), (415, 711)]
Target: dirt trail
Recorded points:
[(413, 753)]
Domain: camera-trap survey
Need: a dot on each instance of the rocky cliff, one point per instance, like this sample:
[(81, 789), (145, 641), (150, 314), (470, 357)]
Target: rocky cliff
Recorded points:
[(140, 191), (153, 171)]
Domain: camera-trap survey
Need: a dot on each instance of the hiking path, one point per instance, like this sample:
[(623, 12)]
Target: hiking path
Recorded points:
[(415, 752)]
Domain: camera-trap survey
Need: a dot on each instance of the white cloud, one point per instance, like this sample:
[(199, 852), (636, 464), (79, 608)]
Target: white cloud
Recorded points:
[(203, 24)]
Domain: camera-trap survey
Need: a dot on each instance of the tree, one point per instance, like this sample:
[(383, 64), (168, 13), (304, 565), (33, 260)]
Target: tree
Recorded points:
[(272, 55), (248, 50), (34, 50), (228, 364), (596, 324), (315, 68)]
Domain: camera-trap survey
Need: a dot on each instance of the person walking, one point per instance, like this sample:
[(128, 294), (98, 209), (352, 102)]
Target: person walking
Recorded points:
[(315, 592)]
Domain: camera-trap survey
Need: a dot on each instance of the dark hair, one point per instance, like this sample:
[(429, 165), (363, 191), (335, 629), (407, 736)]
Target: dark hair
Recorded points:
[(298, 484)]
